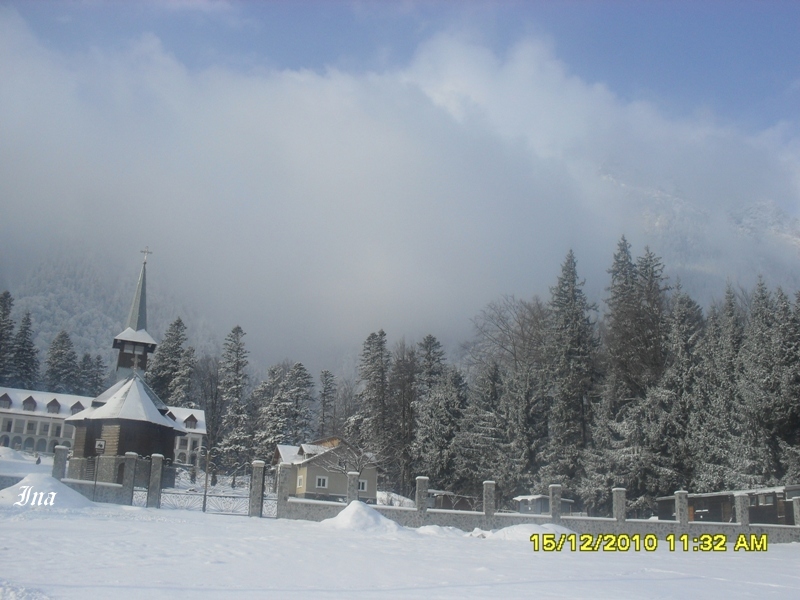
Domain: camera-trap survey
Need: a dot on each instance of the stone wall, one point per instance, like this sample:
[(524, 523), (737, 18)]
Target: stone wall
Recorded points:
[(311, 510)]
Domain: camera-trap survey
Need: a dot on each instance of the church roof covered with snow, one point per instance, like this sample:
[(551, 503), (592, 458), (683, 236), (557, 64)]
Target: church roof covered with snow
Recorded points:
[(130, 399)]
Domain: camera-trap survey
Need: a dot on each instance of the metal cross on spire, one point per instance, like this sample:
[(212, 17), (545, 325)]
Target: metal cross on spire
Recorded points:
[(146, 251)]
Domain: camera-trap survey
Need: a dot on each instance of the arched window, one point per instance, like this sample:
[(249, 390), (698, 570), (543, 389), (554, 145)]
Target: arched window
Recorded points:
[(4, 441), (29, 445), (41, 445), (182, 457)]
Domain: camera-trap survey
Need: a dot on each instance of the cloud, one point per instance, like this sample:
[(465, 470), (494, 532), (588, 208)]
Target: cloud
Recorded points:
[(313, 208)]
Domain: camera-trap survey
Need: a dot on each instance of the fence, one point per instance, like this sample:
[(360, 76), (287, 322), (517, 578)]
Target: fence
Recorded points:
[(258, 502)]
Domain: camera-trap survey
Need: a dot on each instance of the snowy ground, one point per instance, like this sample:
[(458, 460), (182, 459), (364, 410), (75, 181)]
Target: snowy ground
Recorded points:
[(76, 549), (14, 462)]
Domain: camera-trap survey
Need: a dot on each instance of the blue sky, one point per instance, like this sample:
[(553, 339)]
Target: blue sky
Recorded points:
[(317, 171), (739, 60)]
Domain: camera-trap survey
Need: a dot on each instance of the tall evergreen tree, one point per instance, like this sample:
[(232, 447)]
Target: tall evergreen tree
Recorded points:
[(181, 386), (431, 363), (26, 356), (6, 339), (571, 377), (61, 373), (166, 362), (299, 389), (237, 443), (404, 395), (327, 404), (373, 422), (438, 420)]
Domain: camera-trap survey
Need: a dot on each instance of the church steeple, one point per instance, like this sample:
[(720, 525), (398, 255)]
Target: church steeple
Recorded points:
[(137, 319), (134, 343)]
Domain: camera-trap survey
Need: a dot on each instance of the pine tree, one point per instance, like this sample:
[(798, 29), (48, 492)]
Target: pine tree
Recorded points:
[(26, 356), (438, 420), (166, 362), (180, 388), (299, 386), (570, 377), (482, 449), (85, 368), (431, 363), (62, 373), (373, 371), (237, 443), (6, 339), (327, 404), (716, 422), (404, 395), (759, 387), (275, 411)]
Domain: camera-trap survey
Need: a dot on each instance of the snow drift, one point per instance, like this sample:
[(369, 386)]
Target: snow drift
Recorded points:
[(65, 497)]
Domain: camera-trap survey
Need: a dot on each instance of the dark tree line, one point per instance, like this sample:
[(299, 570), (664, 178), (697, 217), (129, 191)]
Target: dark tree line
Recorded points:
[(20, 366)]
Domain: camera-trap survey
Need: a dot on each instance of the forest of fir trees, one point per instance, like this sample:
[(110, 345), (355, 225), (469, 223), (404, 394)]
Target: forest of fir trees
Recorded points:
[(653, 394)]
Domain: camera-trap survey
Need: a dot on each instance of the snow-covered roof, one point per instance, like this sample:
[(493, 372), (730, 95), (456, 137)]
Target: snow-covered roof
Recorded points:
[(537, 497), (42, 399), (289, 454), (181, 414), (767, 490), (138, 337), (130, 400)]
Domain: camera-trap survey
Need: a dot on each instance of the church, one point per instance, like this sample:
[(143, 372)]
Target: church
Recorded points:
[(127, 417)]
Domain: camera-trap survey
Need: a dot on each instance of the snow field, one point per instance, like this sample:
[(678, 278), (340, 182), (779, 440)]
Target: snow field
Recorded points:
[(128, 552)]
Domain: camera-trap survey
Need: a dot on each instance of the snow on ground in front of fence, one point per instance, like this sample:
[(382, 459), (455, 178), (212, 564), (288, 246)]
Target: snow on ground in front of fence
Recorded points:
[(128, 552), (14, 462)]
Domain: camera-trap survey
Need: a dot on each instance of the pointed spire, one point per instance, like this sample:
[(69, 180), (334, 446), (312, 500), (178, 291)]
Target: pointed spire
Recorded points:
[(137, 319)]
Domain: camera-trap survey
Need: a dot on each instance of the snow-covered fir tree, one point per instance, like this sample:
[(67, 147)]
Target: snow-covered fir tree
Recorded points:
[(237, 442), (166, 362), (570, 378), (6, 339), (326, 417), (373, 425), (181, 386), (25, 356), (437, 424), (62, 372)]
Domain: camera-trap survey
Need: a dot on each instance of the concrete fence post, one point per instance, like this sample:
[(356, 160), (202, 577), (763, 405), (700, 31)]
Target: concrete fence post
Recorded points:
[(128, 478), (421, 499), (796, 505), (282, 477), (154, 489), (60, 462), (682, 507), (352, 486), (742, 509), (488, 504), (555, 502), (618, 499), (256, 505)]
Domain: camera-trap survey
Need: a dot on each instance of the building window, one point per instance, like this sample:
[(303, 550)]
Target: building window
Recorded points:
[(183, 443), (194, 445), (7, 424), (19, 426), (299, 481), (53, 407), (190, 423), (44, 429), (29, 404), (57, 432), (322, 482), (5, 401), (769, 500), (31, 427), (362, 485), (76, 408)]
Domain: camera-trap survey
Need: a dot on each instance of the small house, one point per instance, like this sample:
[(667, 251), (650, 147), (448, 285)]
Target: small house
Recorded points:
[(318, 470)]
